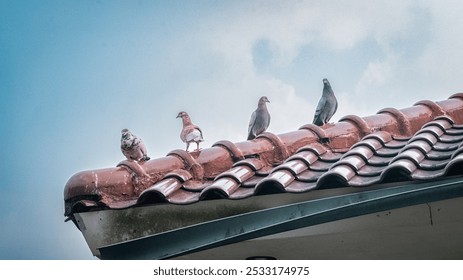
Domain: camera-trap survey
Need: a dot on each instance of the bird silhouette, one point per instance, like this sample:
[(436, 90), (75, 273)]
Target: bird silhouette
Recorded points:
[(190, 132), (133, 147), (327, 105), (260, 119)]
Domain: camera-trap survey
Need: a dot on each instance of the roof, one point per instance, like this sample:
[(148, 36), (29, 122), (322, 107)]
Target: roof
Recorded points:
[(420, 143)]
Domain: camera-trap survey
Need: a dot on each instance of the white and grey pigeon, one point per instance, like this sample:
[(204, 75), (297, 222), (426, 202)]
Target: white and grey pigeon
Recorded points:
[(260, 119), (133, 147), (190, 132), (327, 105)]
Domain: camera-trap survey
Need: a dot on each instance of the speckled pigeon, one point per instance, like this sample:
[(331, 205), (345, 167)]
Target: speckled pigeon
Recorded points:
[(327, 105), (190, 132), (260, 119), (133, 147)]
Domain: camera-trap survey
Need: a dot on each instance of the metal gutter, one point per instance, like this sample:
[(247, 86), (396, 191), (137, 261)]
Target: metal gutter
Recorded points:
[(280, 219)]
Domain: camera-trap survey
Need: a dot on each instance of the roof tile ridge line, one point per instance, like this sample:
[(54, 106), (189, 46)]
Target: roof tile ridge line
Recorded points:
[(281, 149), (140, 178), (457, 96), (190, 163), (436, 110), (315, 129), (402, 121), (232, 149), (360, 123), (133, 166)]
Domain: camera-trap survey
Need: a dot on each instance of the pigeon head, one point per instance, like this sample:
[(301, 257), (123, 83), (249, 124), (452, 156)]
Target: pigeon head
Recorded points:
[(263, 99), (182, 114), (127, 139), (325, 82), (125, 133)]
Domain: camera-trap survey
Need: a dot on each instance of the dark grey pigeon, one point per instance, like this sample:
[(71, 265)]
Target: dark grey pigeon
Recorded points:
[(327, 105), (133, 147), (260, 119)]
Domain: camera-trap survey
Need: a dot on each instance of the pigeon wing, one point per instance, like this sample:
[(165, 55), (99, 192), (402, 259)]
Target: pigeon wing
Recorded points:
[(193, 133), (335, 105), (200, 133), (318, 117), (251, 134), (143, 150)]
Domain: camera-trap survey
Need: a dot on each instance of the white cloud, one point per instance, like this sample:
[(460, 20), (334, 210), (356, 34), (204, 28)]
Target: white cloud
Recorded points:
[(337, 27), (442, 59), (376, 74)]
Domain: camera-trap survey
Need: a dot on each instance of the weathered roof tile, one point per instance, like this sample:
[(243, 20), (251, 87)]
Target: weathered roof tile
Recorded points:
[(423, 142), (222, 187)]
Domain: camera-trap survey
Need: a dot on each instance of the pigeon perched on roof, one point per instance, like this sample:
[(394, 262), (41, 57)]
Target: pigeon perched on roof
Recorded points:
[(190, 132), (133, 147), (260, 119), (327, 105)]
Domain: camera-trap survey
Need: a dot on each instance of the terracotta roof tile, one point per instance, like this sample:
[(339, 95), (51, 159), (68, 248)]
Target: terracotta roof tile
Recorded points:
[(422, 142)]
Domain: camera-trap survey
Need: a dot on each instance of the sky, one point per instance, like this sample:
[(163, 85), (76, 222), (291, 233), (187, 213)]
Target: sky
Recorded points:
[(73, 74)]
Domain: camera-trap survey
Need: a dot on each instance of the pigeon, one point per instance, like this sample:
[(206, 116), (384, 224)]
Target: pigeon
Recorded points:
[(260, 119), (327, 105), (190, 132), (133, 147)]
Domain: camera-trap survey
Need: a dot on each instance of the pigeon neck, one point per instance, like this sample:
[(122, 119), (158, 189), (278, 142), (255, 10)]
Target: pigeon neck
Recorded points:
[(186, 120), (327, 89), (262, 105)]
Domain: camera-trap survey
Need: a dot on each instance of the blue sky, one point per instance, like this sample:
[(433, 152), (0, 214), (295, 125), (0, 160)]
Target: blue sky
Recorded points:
[(74, 73)]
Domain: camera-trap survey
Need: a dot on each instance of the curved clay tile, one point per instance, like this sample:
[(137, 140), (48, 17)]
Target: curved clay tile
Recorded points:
[(295, 166), (299, 186), (239, 173), (160, 191), (400, 170), (221, 188), (273, 185), (363, 151), (336, 178), (309, 176)]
